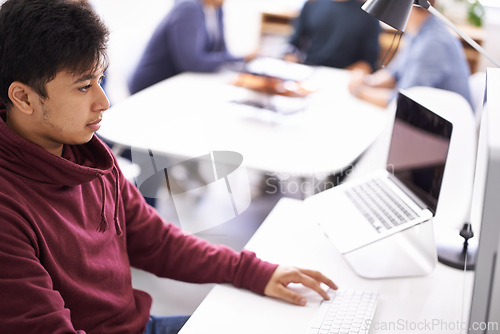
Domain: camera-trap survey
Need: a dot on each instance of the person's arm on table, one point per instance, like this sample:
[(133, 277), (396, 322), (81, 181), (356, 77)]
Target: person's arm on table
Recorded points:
[(361, 66), (377, 88), (166, 251)]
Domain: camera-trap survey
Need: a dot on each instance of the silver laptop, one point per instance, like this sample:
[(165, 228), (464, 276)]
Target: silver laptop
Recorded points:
[(405, 193)]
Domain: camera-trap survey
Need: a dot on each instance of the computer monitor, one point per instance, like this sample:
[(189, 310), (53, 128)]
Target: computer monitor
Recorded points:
[(485, 304)]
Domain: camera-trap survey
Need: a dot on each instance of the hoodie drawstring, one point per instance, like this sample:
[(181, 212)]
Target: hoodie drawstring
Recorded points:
[(103, 225), (118, 228)]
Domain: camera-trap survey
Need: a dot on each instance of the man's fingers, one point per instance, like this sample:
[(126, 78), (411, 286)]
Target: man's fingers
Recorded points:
[(290, 296), (313, 284), (320, 278)]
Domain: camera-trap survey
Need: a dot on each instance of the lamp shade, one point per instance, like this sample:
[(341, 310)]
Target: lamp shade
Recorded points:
[(393, 12)]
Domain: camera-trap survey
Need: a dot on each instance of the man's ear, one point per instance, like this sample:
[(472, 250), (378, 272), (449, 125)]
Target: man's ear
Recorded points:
[(20, 95)]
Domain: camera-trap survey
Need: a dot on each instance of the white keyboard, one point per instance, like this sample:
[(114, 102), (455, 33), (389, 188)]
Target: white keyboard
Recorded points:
[(347, 312)]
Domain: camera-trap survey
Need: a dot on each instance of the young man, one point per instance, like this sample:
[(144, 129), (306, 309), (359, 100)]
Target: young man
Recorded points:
[(70, 224), (432, 57)]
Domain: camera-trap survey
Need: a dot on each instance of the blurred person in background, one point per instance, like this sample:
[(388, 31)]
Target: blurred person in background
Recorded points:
[(431, 57), (189, 38), (335, 33)]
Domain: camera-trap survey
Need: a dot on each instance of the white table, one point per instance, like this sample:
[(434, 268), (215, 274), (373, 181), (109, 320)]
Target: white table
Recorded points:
[(191, 114), (436, 303)]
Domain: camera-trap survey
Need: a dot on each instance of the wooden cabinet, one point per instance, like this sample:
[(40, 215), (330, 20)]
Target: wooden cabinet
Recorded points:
[(278, 22)]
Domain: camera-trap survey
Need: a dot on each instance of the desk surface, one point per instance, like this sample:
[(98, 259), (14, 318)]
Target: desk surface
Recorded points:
[(435, 303), (192, 114)]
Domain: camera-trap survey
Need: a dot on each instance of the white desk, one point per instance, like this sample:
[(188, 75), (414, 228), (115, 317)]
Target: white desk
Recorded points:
[(428, 304), (191, 114)]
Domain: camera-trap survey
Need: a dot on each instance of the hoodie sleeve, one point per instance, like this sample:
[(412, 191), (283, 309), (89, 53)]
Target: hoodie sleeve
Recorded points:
[(29, 302), (164, 250)]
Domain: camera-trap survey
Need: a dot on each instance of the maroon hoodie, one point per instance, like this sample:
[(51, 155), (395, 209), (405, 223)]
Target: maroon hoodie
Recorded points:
[(71, 227)]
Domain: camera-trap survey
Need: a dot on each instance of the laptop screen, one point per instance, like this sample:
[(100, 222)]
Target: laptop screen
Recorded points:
[(418, 149)]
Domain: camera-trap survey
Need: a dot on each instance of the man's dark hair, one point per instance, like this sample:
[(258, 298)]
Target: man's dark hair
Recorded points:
[(40, 38)]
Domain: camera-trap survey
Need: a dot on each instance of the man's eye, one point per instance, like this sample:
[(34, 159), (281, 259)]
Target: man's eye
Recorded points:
[(85, 88)]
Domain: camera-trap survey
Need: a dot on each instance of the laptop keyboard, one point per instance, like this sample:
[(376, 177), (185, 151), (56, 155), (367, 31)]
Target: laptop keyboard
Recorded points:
[(347, 312), (380, 205)]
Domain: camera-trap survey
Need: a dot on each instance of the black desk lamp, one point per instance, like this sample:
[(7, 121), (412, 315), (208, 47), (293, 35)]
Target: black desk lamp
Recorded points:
[(395, 13)]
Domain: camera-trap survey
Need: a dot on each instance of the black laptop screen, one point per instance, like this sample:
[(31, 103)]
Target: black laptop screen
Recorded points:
[(418, 150)]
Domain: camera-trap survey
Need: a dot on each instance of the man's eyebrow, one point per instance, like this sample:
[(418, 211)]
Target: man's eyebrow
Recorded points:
[(86, 77)]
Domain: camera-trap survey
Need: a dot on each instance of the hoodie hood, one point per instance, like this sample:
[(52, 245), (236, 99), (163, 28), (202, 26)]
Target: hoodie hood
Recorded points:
[(78, 165)]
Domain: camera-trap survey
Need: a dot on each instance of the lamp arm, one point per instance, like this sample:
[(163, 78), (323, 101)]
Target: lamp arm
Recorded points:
[(422, 3), (450, 24)]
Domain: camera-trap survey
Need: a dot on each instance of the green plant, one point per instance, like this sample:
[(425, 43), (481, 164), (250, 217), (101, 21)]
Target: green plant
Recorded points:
[(475, 13)]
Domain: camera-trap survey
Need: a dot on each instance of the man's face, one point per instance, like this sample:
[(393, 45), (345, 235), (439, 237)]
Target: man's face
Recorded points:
[(72, 111)]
